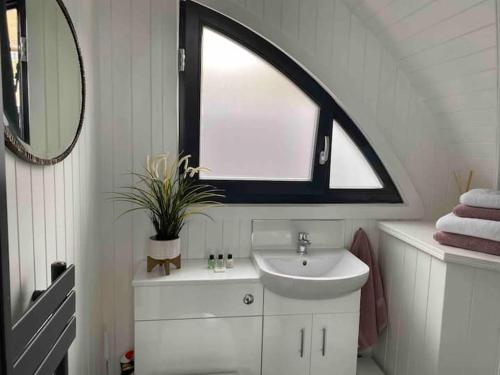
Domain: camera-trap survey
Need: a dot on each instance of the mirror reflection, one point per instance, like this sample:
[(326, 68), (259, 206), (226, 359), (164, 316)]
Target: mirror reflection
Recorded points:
[(42, 80)]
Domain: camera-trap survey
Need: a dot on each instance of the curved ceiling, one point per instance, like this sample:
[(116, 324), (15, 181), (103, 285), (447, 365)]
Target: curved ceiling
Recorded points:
[(448, 48)]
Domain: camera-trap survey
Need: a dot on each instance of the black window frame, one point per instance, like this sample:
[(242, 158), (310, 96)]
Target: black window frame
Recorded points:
[(193, 17)]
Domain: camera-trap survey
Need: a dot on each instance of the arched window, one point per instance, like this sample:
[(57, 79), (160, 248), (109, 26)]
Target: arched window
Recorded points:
[(268, 132)]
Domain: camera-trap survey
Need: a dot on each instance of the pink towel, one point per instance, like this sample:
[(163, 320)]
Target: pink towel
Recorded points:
[(468, 242), (373, 311), (477, 212)]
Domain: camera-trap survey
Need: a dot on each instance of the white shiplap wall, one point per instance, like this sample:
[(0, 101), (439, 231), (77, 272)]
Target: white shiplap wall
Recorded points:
[(443, 317), (448, 49), (138, 95), (51, 216)]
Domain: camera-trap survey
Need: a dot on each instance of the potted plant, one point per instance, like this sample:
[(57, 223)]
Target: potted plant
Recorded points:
[(169, 193)]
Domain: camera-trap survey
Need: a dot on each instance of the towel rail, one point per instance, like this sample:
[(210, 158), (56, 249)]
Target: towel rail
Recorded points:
[(58, 353), (41, 310), (42, 337), (40, 347), (40, 340)]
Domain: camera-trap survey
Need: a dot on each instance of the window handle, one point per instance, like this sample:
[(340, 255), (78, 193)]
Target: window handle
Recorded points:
[(325, 154)]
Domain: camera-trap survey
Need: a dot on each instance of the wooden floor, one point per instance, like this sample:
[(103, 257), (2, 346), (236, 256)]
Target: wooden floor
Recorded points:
[(366, 366)]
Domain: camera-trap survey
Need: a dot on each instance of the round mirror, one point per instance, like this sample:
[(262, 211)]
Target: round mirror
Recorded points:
[(42, 79)]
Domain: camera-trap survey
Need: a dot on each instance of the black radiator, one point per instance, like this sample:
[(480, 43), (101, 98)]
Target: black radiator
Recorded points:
[(41, 338)]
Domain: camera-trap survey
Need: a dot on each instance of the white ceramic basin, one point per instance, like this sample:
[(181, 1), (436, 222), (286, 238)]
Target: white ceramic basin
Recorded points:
[(321, 274)]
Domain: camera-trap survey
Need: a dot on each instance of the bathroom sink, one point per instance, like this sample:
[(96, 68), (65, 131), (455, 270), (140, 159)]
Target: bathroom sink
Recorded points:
[(320, 274)]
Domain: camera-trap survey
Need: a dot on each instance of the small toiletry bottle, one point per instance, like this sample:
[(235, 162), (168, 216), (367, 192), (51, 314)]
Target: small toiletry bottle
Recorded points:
[(211, 261), (229, 261), (219, 264)]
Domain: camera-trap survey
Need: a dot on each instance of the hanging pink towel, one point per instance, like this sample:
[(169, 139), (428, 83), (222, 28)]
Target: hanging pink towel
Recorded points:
[(373, 311)]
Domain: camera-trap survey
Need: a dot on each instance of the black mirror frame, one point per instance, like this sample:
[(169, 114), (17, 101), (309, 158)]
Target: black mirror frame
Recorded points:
[(11, 141)]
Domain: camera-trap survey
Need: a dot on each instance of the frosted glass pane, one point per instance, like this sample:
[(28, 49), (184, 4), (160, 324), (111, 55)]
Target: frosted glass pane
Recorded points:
[(255, 124), (349, 169)]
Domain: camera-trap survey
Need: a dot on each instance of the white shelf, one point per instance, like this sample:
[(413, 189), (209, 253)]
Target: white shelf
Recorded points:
[(419, 234), (195, 271)]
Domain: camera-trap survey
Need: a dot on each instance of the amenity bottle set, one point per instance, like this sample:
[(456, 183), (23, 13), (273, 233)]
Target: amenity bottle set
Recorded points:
[(219, 264)]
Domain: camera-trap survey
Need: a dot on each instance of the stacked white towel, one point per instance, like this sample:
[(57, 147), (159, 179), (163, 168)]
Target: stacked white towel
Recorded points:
[(478, 227), (489, 230), (484, 198), (474, 223)]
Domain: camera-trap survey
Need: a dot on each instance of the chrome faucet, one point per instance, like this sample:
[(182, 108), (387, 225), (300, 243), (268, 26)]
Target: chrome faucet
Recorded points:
[(303, 243)]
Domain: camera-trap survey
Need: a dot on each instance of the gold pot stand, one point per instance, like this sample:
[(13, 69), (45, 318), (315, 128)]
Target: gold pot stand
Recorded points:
[(152, 263)]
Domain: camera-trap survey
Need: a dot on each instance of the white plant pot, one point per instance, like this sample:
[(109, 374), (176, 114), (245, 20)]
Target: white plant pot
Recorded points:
[(164, 249)]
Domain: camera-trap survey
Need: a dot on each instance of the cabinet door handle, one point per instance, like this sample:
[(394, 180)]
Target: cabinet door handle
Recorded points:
[(302, 332), (323, 348)]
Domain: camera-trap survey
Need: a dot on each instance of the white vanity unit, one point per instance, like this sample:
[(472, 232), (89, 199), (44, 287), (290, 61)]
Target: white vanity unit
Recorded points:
[(444, 305), (315, 337), (286, 311), (195, 321)]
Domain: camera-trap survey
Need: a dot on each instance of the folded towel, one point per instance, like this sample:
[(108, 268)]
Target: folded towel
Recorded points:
[(467, 242), (477, 212), (481, 198), (373, 310), (489, 230)]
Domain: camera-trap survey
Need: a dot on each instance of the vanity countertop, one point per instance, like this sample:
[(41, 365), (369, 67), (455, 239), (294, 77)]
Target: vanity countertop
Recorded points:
[(419, 234), (195, 271)]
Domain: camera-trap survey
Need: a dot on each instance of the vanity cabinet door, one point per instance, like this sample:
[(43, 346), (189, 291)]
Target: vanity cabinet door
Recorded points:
[(198, 346), (334, 344), (286, 345)]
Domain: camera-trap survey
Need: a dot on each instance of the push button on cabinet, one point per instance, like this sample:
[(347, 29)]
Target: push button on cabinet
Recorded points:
[(248, 299)]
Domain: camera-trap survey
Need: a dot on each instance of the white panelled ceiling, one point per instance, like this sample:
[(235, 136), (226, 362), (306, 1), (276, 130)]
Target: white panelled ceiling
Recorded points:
[(448, 48)]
